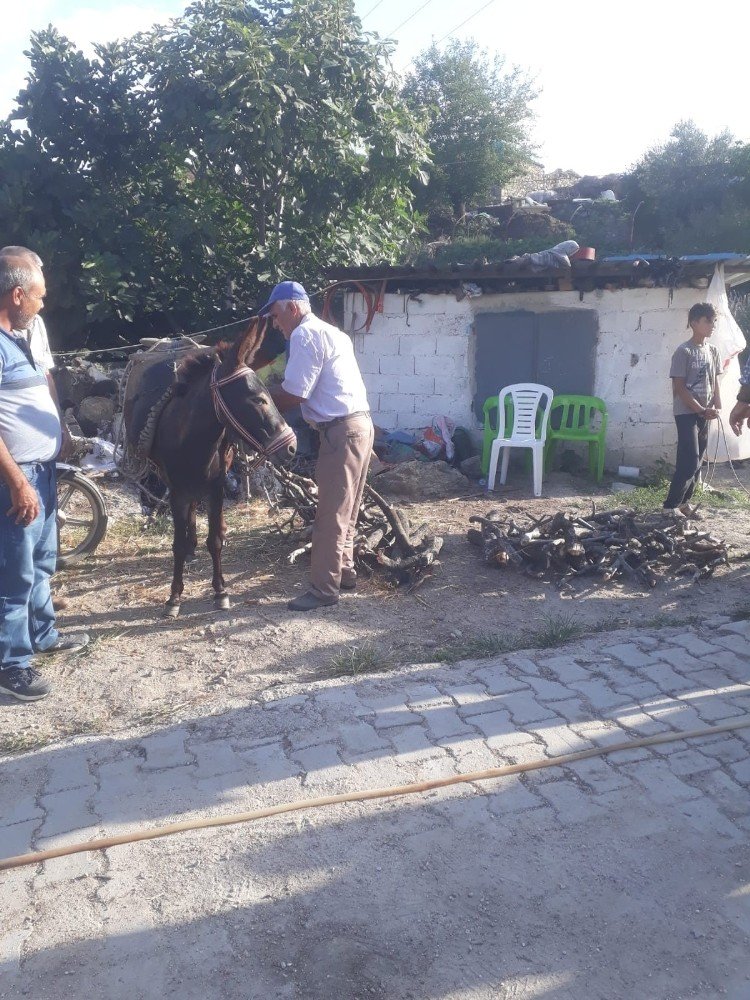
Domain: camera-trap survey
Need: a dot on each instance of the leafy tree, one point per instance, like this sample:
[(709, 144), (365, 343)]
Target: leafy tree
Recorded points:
[(170, 177), (478, 117), (693, 192)]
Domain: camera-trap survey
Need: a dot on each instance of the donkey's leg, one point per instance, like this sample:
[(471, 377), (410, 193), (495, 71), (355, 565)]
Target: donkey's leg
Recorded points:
[(180, 519), (192, 533), (216, 532)]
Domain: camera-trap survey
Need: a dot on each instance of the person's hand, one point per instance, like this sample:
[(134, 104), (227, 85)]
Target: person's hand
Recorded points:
[(740, 413), (710, 413), (67, 445), (24, 503)]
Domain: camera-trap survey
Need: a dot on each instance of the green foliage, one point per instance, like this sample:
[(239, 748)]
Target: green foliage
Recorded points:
[(169, 178), (478, 116), (692, 193), (467, 250)]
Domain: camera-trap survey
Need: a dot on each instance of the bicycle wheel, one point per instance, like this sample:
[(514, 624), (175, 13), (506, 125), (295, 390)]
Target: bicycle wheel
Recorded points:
[(81, 517)]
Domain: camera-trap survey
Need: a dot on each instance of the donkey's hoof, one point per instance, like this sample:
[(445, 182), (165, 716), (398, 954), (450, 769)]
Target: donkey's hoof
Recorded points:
[(221, 602), (171, 610)]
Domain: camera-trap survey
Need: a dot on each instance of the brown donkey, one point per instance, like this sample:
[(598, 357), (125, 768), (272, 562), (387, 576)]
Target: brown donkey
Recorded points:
[(216, 402)]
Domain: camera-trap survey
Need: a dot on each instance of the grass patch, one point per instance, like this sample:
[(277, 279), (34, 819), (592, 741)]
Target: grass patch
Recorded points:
[(651, 496), (354, 660), (17, 743)]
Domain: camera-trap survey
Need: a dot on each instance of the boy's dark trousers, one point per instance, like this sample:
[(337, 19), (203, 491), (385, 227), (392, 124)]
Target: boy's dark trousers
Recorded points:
[(692, 442)]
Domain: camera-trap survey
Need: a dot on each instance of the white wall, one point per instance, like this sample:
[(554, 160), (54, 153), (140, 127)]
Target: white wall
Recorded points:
[(418, 362)]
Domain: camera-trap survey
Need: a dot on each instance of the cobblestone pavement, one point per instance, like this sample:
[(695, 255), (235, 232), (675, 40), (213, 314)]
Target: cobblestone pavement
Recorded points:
[(625, 876)]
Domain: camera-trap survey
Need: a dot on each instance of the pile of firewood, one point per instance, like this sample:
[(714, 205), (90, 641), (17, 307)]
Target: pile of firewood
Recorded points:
[(609, 545), (385, 541)]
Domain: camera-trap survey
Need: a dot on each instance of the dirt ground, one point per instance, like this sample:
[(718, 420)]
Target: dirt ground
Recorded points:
[(141, 668)]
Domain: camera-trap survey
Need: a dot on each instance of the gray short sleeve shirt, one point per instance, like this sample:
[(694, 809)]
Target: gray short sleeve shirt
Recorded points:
[(700, 367)]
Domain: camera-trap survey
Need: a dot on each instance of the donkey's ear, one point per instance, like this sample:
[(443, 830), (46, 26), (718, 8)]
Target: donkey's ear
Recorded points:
[(248, 343)]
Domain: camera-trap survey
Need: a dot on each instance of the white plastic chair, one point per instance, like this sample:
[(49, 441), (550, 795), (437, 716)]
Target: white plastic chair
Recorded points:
[(527, 400)]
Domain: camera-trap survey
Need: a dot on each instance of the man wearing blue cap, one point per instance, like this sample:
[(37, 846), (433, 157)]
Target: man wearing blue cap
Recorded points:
[(322, 378)]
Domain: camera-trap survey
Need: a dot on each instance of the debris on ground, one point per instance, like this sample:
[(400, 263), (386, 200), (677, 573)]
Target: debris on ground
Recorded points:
[(386, 541), (615, 544), (422, 481)]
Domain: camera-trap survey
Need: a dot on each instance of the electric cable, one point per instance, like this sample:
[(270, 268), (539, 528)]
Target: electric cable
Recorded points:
[(410, 18)]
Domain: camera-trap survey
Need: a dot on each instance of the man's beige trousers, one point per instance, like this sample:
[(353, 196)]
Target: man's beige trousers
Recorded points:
[(341, 472)]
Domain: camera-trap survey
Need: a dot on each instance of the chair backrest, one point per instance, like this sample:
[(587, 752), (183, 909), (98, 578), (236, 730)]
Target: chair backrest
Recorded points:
[(527, 399), (577, 413)]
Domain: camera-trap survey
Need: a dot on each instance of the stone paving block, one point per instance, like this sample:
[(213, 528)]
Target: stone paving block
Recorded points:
[(687, 762), (573, 710), (600, 732), (524, 753), (713, 708), (565, 668), (497, 681), (678, 715), (631, 756), (273, 704), (727, 748), (600, 696), (311, 737), (694, 644), (425, 696), (629, 654), (269, 763), (638, 690), (473, 755), (65, 811), (734, 666), (73, 866), (17, 839), (361, 738), (466, 695), (571, 802), (640, 723), (599, 774), (659, 781), (507, 796), (712, 678), (401, 715), (317, 758), (67, 768), (412, 742), (648, 641), (443, 723), (216, 758), (18, 811), (340, 703), (729, 795), (525, 708), (739, 628), (525, 664), (705, 816), (558, 739), (493, 723), (735, 643), (166, 750), (740, 771), (679, 658), (549, 690), (667, 679)]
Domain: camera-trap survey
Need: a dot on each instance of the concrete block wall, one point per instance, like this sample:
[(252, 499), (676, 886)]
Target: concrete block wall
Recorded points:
[(417, 360)]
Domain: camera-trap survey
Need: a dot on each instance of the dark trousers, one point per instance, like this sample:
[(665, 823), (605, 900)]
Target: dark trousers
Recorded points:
[(692, 442)]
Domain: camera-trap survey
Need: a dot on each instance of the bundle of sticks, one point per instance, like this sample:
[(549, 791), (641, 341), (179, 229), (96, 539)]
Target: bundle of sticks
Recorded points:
[(385, 541), (610, 545)]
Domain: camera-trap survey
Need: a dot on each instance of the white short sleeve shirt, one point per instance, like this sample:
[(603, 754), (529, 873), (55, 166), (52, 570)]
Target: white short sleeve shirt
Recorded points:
[(322, 370)]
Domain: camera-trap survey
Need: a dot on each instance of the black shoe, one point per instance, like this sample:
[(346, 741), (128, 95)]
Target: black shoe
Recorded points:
[(69, 643), (348, 582), (311, 602), (24, 683)]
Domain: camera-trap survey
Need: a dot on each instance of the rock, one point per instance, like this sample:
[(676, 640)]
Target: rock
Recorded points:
[(82, 379), (73, 426), (95, 413), (472, 467), (422, 481)]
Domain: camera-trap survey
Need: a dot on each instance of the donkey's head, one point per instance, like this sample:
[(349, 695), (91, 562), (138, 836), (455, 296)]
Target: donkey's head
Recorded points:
[(243, 403)]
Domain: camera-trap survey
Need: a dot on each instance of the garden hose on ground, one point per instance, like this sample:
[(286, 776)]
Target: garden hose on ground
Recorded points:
[(103, 843)]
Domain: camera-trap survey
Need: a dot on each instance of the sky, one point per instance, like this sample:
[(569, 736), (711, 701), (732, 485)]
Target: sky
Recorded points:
[(611, 85)]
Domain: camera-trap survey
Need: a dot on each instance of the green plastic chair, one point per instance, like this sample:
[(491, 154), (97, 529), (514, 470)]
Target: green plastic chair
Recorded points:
[(572, 418)]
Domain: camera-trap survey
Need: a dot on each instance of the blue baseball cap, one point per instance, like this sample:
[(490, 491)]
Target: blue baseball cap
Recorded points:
[(285, 290)]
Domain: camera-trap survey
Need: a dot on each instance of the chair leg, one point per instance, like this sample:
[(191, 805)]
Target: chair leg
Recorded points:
[(599, 461), (504, 469), (549, 453), (494, 454), (538, 467)]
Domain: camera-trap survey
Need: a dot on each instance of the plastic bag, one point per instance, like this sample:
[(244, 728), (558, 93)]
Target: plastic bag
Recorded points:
[(729, 341)]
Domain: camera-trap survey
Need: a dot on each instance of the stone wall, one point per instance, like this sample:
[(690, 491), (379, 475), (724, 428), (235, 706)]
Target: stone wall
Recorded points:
[(418, 359)]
